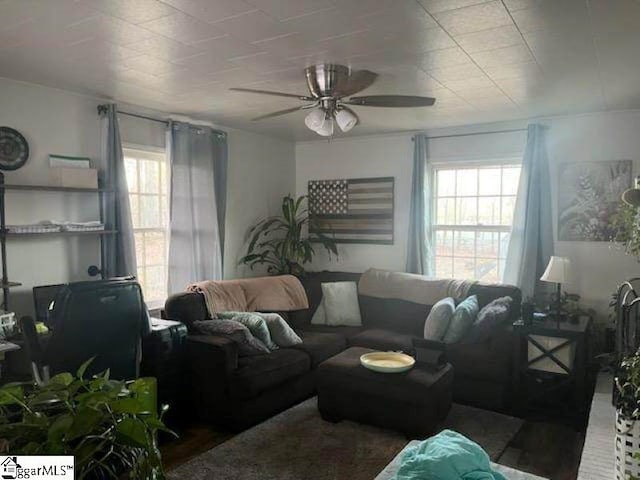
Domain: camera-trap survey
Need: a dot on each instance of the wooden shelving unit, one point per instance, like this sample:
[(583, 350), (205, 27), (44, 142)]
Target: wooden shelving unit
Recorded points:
[(5, 235)]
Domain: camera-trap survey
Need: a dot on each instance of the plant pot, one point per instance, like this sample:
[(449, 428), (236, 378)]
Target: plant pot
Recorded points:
[(627, 444)]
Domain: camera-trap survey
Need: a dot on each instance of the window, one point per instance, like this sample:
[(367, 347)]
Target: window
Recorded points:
[(147, 182), (474, 212)]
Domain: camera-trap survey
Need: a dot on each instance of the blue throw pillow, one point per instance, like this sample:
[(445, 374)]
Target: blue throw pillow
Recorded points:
[(462, 320), (437, 322)]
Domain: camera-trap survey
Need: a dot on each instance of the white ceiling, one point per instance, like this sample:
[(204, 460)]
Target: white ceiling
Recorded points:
[(483, 60)]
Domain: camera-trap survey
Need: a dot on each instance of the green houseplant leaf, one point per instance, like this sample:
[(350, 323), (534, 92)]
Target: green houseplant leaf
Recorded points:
[(280, 242)]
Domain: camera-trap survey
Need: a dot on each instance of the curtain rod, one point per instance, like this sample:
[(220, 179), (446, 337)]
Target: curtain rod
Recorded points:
[(473, 133), (102, 108)]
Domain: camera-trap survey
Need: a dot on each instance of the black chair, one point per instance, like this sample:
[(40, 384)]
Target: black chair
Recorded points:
[(103, 319)]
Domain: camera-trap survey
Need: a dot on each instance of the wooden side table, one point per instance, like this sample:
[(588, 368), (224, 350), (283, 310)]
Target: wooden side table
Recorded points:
[(550, 359)]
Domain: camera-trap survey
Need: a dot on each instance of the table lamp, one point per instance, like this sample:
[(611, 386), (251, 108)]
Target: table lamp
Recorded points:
[(557, 272)]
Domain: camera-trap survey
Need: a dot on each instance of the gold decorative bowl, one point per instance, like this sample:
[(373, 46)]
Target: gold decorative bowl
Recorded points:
[(387, 362)]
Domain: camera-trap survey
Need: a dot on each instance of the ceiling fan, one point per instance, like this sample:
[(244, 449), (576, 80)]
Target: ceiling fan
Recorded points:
[(329, 84)]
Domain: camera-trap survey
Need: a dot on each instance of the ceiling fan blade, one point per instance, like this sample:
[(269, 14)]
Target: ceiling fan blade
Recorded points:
[(391, 101), (269, 92), (279, 112), (356, 82)]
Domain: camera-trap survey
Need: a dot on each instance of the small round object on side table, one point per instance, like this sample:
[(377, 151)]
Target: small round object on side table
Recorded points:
[(14, 149)]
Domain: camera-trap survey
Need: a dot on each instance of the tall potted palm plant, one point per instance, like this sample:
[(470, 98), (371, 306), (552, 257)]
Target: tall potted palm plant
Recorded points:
[(285, 243)]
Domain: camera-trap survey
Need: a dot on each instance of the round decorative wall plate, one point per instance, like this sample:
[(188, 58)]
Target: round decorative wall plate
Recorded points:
[(14, 149)]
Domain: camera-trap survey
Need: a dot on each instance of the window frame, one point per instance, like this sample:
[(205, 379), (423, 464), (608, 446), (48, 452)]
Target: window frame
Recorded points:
[(144, 152), (456, 165)]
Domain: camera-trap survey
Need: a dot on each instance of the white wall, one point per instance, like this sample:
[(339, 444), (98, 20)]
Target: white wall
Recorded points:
[(596, 267), (261, 171)]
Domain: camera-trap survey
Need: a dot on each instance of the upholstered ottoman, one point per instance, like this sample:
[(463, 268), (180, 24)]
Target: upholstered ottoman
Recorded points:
[(412, 402)]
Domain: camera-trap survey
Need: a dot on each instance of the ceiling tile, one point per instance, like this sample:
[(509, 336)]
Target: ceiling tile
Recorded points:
[(253, 26), (147, 63), (183, 28), (323, 24), (446, 57), (204, 63), (551, 15), (474, 18), (137, 11), (503, 56), (468, 83), (292, 45), (164, 48), (263, 62), (498, 72), (211, 11), (284, 9), (457, 72), (226, 46), (437, 6), (490, 39), (401, 16)]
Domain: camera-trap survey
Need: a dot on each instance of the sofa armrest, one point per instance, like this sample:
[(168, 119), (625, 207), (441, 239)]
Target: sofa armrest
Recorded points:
[(501, 340), (212, 351)]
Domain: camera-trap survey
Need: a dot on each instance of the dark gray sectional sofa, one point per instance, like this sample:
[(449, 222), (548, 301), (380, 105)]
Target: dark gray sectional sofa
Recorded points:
[(238, 392)]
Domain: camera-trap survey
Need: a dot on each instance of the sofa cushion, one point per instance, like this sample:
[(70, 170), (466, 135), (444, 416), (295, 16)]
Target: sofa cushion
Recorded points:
[(379, 339), (320, 346), (281, 333), (437, 322), (258, 373), (391, 314), (346, 332), (462, 320)]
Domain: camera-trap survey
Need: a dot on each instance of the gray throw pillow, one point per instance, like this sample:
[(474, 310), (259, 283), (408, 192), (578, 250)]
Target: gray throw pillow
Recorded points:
[(255, 323), (437, 322), (235, 331), (462, 320), (281, 333), (340, 302), (492, 314)]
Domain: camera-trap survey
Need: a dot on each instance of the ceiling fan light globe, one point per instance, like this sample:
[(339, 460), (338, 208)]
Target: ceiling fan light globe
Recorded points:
[(326, 129), (346, 120), (314, 119)]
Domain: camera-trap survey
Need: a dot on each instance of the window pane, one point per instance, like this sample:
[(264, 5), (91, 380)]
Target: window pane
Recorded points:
[(446, 182), (131, 170), (134, 203), (164, 203), (467, 182), (150, 211), (139, 241), (164, 181), (487, 269), (510, 179), (446, 211), (444, 243), (487, 244), (154, 250), (489, 210), (155, 283), (467, 211), (150, 176), (464, 244), (464, 268), (489, 180), (444, 267), (508, 205)]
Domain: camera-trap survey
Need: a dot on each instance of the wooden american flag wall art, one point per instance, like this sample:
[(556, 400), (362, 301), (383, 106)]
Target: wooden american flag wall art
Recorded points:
[(355, 210)]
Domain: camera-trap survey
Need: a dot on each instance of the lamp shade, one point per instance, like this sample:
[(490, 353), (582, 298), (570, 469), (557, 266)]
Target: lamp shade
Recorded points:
[(326, 129), (314, 119), (557, 270), (346, 119)]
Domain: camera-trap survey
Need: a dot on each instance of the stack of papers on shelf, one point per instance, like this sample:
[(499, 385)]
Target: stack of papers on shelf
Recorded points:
[(48, 226), (69, 162)]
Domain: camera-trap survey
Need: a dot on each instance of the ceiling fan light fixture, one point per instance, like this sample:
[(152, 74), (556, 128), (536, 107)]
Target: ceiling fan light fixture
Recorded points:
[(314, 119), (326, 129), (346, 119)]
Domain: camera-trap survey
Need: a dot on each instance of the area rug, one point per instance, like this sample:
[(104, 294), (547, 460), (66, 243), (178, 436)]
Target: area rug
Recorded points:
[(297, 444)]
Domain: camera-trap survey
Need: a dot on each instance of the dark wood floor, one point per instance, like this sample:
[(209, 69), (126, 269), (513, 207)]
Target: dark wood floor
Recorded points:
[(543, 448)]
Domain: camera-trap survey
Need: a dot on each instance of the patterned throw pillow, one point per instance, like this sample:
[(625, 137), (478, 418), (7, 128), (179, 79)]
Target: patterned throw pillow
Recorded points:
[(255, 323), (462, 320), (235, 331), (281, 333), (439, 318), (492, 314)]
